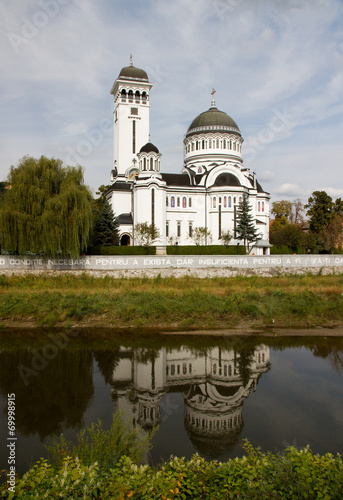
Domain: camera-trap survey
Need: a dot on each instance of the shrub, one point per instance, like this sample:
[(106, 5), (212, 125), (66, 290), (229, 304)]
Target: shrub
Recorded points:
[(122, 250), (206, 250)]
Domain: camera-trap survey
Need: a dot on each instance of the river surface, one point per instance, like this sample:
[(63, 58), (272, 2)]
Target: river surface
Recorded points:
[(206, 394)]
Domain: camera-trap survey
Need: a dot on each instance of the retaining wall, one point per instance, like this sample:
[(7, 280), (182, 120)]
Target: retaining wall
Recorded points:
[(115, 263)]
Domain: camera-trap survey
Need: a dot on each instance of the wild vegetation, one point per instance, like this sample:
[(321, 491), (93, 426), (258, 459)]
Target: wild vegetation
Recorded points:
[(97, 468), (67, 300)]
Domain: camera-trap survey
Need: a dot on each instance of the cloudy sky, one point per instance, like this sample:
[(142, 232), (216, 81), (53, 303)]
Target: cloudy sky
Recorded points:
[(276, 66)]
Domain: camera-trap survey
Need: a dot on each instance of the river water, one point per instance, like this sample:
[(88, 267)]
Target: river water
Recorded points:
[(206, 394)]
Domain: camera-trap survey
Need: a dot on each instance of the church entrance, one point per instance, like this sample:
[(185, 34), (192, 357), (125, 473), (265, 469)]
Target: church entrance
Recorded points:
[(125, 240)]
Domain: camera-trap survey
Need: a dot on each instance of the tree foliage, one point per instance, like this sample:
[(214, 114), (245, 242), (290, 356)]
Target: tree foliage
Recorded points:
[(291, 211), (245, 226), (201, 236), (145, 234), (106, 226), (48, 209)]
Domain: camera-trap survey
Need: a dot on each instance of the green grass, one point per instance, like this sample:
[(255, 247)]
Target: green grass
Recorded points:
[(285, 301)]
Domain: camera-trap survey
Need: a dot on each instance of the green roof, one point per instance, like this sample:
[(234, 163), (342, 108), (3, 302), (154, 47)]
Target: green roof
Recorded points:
[(133, 73), (213, 120)]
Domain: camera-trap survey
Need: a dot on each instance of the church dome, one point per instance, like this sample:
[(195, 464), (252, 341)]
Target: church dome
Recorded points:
[(149, 148), (213, 120), (133, 73)]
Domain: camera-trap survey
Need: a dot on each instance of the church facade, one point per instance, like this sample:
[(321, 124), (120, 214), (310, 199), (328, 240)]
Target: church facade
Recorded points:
[(207, 191)]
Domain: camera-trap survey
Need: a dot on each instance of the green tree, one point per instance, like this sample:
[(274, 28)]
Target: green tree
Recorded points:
[(245, 226), (201, 236), (106, 226), (48, 208), (282, 209), (145, 234)]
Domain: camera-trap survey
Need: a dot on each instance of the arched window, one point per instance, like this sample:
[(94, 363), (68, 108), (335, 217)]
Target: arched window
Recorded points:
[(172, 201), (123, 95), (190, 202), (240, 199), (224, 144), (214, 202), (262, 206), (144, 163), (151, 164), (184, 202), (214, 368), (229, 201), (197, 145), (210, 144), (230, 144), (203, 144), (224, 201), (166, 201), (137, 96), (234, 146), (259, 206), (130, 94), (144, 97), (178, 201), (217, 143)]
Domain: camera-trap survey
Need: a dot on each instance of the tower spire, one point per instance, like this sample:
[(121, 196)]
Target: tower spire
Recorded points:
[(131, 62), (213, 102)]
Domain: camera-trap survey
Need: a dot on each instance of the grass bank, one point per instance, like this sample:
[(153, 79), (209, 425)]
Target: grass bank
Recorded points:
[(69, 300)]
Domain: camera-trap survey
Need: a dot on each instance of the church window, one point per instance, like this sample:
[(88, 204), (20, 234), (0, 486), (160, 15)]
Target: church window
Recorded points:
[(134, 136), (225, 371), (210, 144), (192, 146), (151, 164), (263, 357), (144, 97), (144, 163), (190, 202), (234, 200), (240, 199), (178, 369), (217, 143), (214, 202), (229, 201), (224, 144), (219, 221), (230, 144), (262, 206), (166, 201), (167, 229), (230, 370), (178, 229), (214, 368), (156, 166), (259, 206), (137, 96), (153, 206), (134, 111), (190, 368), (130, 96), (167, 370), (178, 201), (172, 370), (184, 368), (197, 145), (220, 199), (172, 201), (234, 146), (190, 229), (225, 201), (123, 95), (203, 144), (184, 202)]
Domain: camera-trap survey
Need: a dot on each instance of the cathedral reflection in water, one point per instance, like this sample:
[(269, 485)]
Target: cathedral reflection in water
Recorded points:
[(213, 383)]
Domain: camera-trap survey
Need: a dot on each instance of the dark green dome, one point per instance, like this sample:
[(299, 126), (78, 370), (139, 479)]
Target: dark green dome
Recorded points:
[(133, 73), (149, 148), (213, 120)]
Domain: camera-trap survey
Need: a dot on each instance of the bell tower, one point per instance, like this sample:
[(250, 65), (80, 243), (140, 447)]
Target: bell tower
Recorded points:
[(131, 119)]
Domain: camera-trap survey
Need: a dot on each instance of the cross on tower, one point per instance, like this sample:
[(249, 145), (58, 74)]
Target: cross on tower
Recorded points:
[(213, 103)]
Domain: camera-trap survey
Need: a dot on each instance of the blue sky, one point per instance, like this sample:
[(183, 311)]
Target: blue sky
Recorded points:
[(276, 65)]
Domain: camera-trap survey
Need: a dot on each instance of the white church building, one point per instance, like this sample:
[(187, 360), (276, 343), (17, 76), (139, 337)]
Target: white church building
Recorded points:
[(205, 193)]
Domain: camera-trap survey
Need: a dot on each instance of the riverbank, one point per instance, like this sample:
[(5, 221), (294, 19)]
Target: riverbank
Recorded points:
[(238, 303)]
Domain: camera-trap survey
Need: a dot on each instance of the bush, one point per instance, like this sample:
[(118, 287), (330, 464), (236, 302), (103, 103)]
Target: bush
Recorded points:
[(205, 250), (122, 250), (292, 475)]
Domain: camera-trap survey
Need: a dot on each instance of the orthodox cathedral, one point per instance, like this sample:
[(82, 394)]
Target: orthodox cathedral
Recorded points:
[(206, 192)]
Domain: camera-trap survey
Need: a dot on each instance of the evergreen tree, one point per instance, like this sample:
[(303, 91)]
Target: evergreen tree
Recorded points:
[(48, 209), (245, 226), (106, 227)]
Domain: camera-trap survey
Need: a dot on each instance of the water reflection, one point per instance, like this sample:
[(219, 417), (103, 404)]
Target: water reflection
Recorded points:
[(213, 383)]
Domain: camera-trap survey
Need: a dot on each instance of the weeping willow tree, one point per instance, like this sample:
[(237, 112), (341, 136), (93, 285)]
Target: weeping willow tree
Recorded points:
[(48, 209)]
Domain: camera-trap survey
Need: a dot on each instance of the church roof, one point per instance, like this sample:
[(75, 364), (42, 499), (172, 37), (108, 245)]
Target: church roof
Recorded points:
[(133, 73), (176, 179), (125, 219), (227, 179), (121, 186), (213, 120), (148, 148)]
